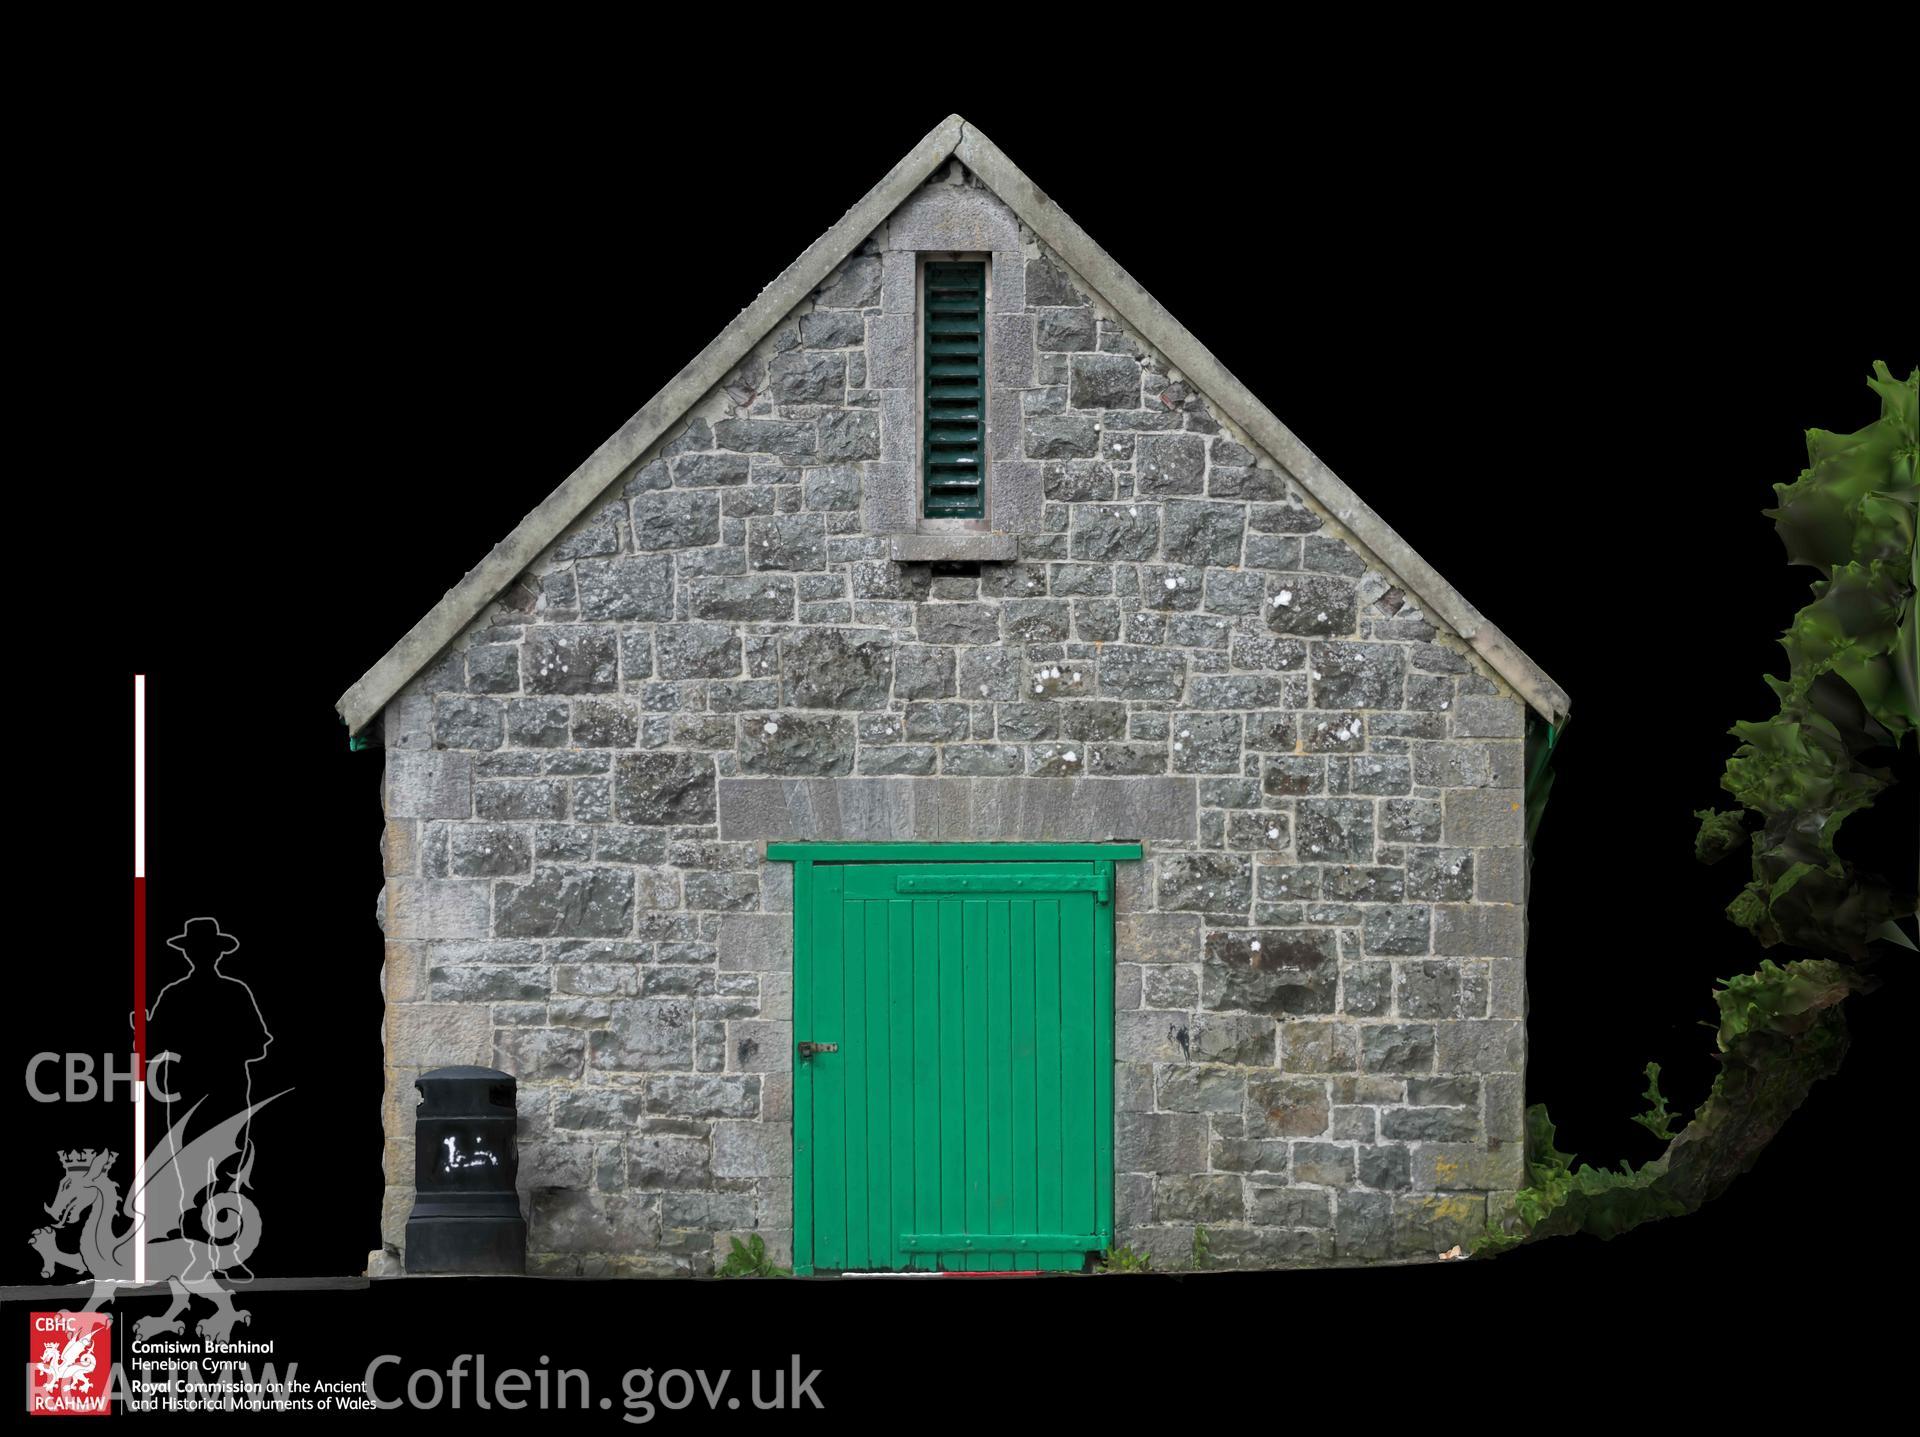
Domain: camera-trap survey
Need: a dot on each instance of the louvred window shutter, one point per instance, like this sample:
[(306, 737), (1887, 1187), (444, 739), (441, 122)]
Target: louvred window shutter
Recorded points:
[(953, 422)]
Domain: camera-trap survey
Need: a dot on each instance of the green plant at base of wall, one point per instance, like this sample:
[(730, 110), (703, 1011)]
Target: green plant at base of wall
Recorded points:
[(1124, 1259), (1852, 690), (1202, 1246), (749, 1259)]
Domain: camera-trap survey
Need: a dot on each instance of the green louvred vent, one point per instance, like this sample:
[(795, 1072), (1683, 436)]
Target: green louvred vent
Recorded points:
[(953, 459)]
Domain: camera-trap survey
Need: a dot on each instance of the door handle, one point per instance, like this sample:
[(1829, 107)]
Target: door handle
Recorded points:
[(807, 1050)]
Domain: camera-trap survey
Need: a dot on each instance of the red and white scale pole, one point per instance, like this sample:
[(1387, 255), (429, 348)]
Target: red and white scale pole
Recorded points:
[(139, 977)]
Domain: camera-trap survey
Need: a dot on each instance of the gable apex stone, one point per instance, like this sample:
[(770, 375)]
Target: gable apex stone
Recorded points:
[(950, 217)]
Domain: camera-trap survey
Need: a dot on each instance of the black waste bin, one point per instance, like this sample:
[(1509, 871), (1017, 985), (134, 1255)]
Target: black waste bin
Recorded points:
[(466, 1214)]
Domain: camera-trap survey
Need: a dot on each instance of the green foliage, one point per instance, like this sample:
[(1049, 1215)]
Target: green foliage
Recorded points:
[(749, 1259), (1775, 1003), (1124, 1259), (1561, 1198), (1656, 1119), (1853, 687), (1721, 834), (1202, 1247)]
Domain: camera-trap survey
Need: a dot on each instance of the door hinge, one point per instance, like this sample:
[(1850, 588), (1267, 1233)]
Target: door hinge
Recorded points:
[(807, 1050)]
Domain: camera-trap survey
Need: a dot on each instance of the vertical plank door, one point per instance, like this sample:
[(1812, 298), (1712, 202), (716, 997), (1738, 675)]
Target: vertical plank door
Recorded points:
[(958, 1113)]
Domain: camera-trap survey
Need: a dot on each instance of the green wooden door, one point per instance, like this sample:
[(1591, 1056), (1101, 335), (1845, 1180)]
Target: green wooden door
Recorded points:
[(953, 1069)]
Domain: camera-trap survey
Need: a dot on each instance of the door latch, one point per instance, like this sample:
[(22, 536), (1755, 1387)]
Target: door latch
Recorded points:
[(807, 1050)]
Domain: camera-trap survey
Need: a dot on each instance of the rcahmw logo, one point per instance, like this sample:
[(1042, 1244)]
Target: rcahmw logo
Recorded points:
[(64, 1351)]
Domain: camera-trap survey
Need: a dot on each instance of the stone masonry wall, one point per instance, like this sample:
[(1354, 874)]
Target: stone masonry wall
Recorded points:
[(1320, 986)]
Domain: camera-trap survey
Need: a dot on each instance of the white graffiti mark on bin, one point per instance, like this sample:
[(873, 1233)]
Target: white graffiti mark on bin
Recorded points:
[(455, 1159)]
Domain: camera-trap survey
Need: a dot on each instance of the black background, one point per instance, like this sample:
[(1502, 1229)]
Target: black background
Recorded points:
[(1564, 342)]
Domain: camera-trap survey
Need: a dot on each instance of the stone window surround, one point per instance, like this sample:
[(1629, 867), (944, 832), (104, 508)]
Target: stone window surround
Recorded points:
[(949, 224)]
